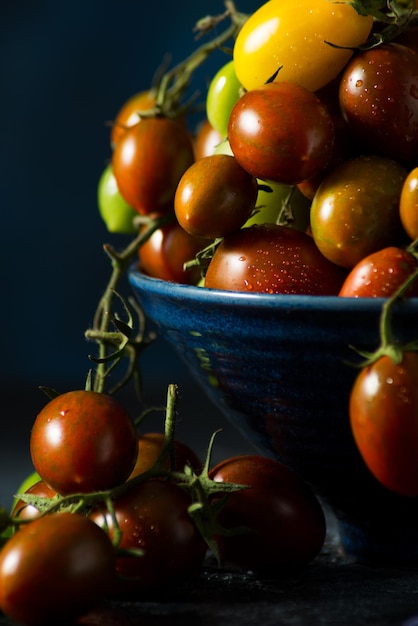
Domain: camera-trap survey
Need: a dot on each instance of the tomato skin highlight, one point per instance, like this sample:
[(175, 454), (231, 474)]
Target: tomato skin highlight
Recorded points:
[(287, 522), (55, 568), (272, 259), (281, 132), (380, 274), (83, 441), (293, 35), (384, 420), (127, 115)]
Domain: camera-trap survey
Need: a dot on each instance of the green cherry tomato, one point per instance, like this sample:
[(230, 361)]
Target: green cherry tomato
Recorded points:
[(355, 210), (116, 213), (292, 37), (224, 91)]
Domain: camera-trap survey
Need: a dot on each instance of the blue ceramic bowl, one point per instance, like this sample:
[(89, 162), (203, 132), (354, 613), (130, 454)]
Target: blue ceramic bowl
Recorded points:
[(280, 368)]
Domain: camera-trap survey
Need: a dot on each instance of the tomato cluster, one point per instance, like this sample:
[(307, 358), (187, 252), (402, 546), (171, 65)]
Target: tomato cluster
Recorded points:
[(117, 513)]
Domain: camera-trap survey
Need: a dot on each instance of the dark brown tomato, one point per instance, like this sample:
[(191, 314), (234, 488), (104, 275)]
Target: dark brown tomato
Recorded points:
[(215, 196), (408, 204), (128, 114), (167, 250), (26, 511), (150, 446), (272, 259), (206, 140), (281, 132), (83, 441), (285, 520), (383, 415), (355, 210), (153, 517), (379, 100), (148, 162), (380, 274), (54, 569)]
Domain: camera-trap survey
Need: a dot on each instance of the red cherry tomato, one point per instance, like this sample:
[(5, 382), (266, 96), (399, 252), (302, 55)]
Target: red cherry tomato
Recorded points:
[(379, 100), (23, 510), (272, 259), (380, 274), (153, 516), (150, 446), (164, 254), (56, 566), (83, 441), (215, 196), (281, 132), (383, 417), (148, 162), (128, 114), (285, 520), (206, 140)]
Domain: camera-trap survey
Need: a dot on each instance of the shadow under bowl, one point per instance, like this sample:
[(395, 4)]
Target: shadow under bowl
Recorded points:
[(281, 368)]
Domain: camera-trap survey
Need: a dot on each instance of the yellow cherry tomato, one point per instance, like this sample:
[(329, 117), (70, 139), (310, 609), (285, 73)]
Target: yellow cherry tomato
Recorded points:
[(293, 39)]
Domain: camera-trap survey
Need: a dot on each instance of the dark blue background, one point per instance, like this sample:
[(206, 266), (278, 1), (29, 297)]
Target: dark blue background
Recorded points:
[(65, 69)]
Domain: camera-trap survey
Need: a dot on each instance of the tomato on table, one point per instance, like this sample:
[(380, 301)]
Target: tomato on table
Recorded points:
[(284, 520), (153, 517), (55, 567), (83, 441)]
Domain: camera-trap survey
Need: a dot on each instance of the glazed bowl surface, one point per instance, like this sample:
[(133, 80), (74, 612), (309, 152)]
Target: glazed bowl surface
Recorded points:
[(281, 368)]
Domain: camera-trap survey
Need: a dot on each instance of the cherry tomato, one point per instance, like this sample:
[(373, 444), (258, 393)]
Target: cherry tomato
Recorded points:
[(116, 213), (26, 511), (384, 421), (164, 254), (206, 140), (224, 90), (215, 196), (281, 132), (272, 259), (379, 100), (355, 210), (150, 446), (83, 441), (55, 567), (128, 114), (380, 274), (148, 162), (153, 516), (408, 204), (285, 520), (293, 36)]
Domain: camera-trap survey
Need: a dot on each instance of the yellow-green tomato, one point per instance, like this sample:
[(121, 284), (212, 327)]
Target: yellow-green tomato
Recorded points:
[(116, 213), (292, 38), (223, 92), (284, 204)]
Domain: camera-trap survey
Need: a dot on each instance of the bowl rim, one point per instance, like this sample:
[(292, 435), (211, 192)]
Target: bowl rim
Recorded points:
[(195, 293)]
